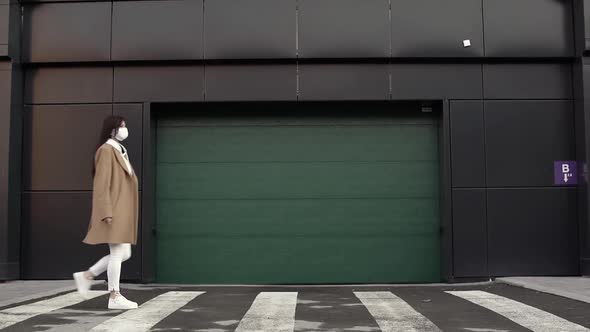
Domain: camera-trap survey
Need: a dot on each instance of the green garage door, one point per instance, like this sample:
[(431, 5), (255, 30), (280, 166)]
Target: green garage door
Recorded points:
[(307, 197)]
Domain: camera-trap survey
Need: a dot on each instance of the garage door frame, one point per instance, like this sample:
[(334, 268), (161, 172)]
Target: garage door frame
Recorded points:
[(148, 233)]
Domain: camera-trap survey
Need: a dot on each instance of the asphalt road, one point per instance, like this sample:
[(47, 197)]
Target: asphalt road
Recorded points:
[(491, 307)]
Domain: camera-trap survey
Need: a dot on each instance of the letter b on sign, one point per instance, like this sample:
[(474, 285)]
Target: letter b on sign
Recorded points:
[(565, 168)]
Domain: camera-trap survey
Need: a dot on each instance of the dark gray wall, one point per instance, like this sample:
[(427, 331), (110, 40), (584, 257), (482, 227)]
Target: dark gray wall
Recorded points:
[(581, 79), (511, 101), (11, 82)]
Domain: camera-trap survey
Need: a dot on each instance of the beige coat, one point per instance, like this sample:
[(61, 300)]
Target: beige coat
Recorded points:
[(115, 194)]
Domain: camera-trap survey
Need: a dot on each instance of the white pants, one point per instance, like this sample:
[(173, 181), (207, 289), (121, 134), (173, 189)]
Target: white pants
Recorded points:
[(120, 252)]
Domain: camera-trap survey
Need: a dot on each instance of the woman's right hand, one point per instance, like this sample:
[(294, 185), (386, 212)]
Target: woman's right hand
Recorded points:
[(108, 220)]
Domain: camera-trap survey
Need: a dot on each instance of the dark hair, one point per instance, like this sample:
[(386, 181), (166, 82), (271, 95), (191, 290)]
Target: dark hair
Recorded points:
[(112, 122)]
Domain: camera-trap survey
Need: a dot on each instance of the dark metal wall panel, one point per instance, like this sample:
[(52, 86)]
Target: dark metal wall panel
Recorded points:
[(527, 81), (436, 81), (426, 28), (532, 231), (251, 82), (133, 114), (53, 227), (469, 233), (61, 32), (467, 144), (157, 30), (159, 83), (586, 79), (582, 107), (524, 138), (5, 83), (40, 1), (528, 28), (344, 28), (13, 49), (69, 85), (60, 141), (148, 210), (4, 14), (343, 82), (254, 29)]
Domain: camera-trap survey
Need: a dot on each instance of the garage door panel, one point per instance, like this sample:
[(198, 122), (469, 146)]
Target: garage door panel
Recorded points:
[(298, 260), (295, 218), (312, 196), (296, 180), (293, 143), (302, 114)]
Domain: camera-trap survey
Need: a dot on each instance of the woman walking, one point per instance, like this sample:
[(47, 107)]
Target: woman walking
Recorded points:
[(114, 211)]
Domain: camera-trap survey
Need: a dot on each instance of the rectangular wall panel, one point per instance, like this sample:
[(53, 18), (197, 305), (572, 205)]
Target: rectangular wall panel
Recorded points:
[(159, 83), (251, 83), (53, 227), (59, 145), (469, 233), (533, 232), (343, 82), (467, 144), (158, 30), (344, 28), (62, 32), (436, 81), (56, 85), (524, 139), (426, 28), (528, 28), (527, 81), (254, 29), (4, 16)]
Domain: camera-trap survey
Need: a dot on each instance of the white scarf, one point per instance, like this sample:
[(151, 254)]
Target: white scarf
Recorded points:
[(119, 147)]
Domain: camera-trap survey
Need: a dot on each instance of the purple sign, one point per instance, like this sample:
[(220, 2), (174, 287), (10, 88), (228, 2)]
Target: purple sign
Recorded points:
[(566, 173)]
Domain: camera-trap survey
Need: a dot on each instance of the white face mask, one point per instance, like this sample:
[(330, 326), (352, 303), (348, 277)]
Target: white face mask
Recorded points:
[(122, 134)]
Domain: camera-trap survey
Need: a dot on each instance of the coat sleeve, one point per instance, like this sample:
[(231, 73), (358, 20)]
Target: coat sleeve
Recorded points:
[(101, 198)]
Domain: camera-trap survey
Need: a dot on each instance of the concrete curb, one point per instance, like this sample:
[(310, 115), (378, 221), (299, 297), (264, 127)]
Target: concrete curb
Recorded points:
[(545, 289)]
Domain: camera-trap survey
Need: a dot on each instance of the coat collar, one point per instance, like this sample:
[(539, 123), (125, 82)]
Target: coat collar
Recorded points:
[(119, 155), (115, 144)]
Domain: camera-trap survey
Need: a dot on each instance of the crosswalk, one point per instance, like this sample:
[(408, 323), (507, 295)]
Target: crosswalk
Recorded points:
[(522, 314), (281, 311)]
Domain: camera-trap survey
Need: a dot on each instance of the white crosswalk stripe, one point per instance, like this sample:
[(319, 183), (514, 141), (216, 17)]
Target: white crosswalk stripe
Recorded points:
[(532, 318), (9, 317), (148, 314), (393, 314), (270, 312)]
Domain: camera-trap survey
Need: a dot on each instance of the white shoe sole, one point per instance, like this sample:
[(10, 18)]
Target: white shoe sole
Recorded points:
[(120, 307)]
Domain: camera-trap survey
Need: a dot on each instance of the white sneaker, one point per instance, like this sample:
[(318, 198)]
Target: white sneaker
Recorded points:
[(82, 283), (121, 303)]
